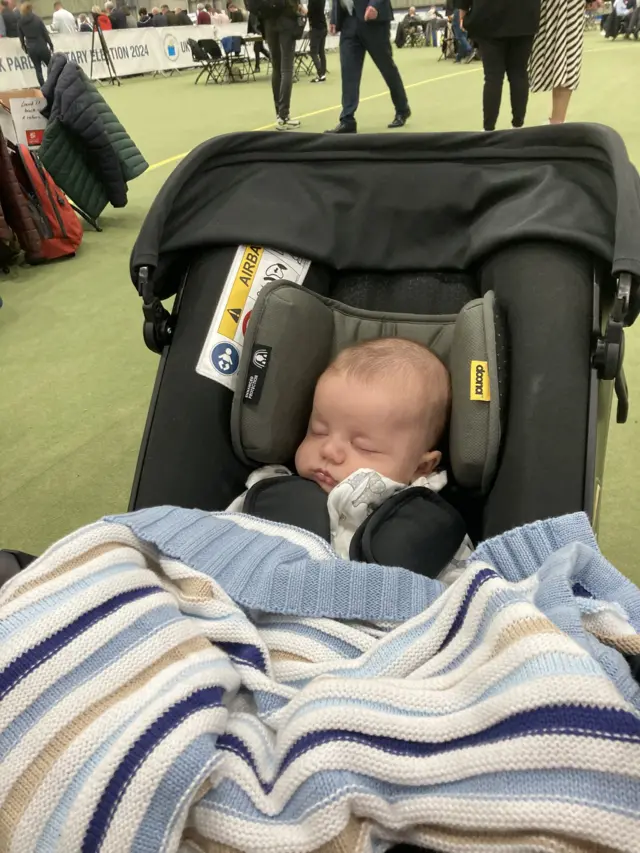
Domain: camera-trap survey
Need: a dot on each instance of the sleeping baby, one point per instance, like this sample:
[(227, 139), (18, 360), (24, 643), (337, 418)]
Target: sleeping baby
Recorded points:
[(379, 412)]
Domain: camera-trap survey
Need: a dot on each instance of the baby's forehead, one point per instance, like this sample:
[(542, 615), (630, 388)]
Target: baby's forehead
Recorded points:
[(410, 391)]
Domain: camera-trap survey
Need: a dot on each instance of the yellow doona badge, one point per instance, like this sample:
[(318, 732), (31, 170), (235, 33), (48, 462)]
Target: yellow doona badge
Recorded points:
[(480, 389)]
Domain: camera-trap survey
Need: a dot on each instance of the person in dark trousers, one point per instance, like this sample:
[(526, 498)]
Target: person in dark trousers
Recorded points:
[(464, 49), (281, 31), (317, 38), (255, 26), (35, 40), (364, 27), (504, 31), (10, 20)]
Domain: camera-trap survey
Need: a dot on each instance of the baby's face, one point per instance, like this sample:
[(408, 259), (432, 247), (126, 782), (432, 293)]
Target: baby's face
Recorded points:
[(354, 424)]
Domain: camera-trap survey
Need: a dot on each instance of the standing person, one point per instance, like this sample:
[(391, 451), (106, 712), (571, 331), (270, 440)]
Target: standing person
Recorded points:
[(255, 26), (35, 39), (204, 18), (235, 15), (365, 27), (280, 30), (158, 18), (464, 50), (144, 18), (436, 20), (556, 58), (504, 31), (10, 20), (182, 18), (100, 18), (62, 21), (117, 16), (172, 19), (83, 24), (219, 17), (317, 38)]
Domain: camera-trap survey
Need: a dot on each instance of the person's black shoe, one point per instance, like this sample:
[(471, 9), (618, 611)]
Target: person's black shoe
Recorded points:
[(400, 120), (344, 127)]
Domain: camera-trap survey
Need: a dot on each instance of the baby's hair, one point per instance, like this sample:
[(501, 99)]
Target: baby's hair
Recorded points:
[(397, 357)]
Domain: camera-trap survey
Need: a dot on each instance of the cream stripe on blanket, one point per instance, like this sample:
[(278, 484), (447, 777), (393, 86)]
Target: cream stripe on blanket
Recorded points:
[(148, 703)]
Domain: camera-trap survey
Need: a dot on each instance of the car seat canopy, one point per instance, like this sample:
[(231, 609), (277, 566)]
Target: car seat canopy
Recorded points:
[(543, 221), (295, 333)]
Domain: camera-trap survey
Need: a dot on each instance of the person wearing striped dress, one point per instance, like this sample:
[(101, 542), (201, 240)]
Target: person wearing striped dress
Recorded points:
[(556, 58)]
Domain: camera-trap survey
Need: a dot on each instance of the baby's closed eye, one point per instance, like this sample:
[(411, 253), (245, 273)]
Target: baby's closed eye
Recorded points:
[(364, 447), (317, 429)]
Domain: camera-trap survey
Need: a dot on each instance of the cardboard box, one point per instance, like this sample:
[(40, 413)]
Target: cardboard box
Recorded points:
[(20, 117)]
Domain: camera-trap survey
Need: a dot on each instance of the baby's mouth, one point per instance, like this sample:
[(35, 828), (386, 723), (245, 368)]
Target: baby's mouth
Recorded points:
[(324, 478)]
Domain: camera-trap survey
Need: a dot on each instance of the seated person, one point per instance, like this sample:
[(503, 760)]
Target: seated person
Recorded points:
[(379, 411), (620, 19), (235, 15), (633, 23), (413, 23), (412, 18)]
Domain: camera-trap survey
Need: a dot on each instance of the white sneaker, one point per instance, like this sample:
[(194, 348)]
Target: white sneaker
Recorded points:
[(319, 79), (287, 124)]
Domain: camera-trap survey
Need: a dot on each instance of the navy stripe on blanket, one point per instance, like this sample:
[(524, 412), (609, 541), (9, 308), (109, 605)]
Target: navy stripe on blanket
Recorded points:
[(174, 716), (47, 648)]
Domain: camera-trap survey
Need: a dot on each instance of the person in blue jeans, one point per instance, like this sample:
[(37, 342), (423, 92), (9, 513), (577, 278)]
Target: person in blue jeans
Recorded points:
[(464, 48)]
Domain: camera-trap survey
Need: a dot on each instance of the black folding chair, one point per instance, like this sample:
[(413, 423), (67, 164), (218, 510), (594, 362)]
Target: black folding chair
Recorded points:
[(238, 59), (415, 35), (303, 63), (214, 67)]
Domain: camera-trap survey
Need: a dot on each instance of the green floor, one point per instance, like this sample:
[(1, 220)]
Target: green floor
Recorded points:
[(75, 376)]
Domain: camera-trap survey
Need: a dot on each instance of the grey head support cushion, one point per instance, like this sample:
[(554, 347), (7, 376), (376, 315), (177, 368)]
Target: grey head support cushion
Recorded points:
[(294, 334)]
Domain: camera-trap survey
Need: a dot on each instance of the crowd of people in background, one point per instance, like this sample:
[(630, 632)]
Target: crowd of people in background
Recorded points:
[(623, 20), (536, 44), (113, 17)]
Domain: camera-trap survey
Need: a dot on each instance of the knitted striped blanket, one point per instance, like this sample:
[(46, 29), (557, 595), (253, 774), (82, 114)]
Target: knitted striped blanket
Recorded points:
[(173, 680)]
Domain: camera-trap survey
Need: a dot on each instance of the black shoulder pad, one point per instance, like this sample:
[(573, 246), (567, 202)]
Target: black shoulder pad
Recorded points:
[(415, 529), (290, 500)]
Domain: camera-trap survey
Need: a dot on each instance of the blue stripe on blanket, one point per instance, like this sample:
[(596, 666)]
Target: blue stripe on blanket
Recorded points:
[(611, 724), (336, 644), (206, 697), (23, 618), (76, 784), (265, 571), (479, 579), (34, 657), (530, 671), (138, 632), (572, 720), (601, 790), (244, 653), (171, 797)]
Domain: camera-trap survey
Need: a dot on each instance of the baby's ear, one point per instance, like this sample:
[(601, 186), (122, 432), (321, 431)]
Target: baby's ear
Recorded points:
[(428, 464)]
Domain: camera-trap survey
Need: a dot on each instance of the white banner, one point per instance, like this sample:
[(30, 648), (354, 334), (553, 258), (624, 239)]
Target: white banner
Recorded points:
[(133, 51)]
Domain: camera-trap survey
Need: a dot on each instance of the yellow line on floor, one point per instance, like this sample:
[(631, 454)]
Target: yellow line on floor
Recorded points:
[(331, 109), (474, 70)]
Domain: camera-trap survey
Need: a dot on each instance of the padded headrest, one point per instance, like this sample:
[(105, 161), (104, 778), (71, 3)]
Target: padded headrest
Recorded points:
[(294, 334)]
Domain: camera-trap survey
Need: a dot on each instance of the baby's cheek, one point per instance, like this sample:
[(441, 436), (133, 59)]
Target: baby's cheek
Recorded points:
[(302, 457)]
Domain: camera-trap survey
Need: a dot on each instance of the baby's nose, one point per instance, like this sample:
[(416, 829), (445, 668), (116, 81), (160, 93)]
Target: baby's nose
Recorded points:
[(333, 451)]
